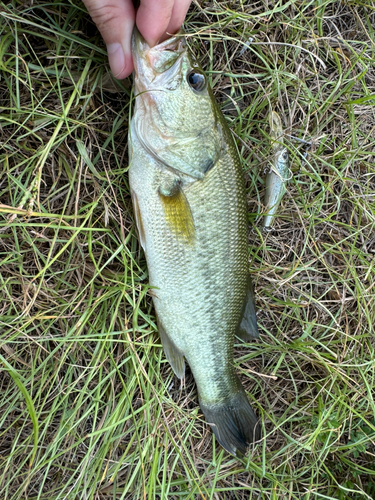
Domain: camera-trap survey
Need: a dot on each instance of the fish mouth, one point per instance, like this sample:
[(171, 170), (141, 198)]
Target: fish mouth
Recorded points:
[(150, 62)]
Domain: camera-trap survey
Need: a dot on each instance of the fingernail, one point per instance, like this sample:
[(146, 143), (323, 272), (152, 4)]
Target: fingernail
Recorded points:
[(116, 57)]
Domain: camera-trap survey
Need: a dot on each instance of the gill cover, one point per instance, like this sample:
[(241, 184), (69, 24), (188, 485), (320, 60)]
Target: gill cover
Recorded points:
[(175, 118)]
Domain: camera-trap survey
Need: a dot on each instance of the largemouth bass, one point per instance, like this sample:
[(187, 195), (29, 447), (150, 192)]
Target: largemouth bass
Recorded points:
[(279, 174), (189, 202)]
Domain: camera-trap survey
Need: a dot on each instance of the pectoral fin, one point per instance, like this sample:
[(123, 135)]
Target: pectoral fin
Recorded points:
[(173, 355), (248, 328), (138, 219), (178, 213)]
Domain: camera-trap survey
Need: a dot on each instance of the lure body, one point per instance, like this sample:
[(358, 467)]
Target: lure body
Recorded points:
[(278, 175)]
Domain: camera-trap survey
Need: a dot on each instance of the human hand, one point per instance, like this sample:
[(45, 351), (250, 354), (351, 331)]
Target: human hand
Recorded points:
[(115, 20)]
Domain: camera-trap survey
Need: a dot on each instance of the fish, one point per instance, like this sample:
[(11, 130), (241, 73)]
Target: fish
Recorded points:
[(279, 173), (189, 201)]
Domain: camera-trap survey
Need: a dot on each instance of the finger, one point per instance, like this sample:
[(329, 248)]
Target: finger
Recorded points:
[(179, 12), (115, 21), (153, 17)]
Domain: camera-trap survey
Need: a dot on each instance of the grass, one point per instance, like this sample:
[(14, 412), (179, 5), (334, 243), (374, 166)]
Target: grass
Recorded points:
[(90, 409)]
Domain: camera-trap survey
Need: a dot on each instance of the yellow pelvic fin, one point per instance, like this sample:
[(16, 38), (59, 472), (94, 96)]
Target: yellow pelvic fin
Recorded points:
[(178, 215)]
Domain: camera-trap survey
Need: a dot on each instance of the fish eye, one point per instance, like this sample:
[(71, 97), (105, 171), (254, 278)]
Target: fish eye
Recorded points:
[(196, 80)]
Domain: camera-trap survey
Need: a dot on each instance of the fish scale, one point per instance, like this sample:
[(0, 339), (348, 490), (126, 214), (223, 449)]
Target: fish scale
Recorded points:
[(209, 277), (192, 225)]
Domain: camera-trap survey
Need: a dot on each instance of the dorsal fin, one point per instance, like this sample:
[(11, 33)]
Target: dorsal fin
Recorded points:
[(248, 328)]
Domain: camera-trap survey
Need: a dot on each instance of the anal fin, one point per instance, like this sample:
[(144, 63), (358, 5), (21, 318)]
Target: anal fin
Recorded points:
[(173, 355), (248, 328)]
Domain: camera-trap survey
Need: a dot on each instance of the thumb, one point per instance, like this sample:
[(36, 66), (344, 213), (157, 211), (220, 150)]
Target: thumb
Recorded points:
[(115, 21)]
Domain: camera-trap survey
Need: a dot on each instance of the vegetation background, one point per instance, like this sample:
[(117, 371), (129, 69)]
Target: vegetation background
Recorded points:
[(90, 409)]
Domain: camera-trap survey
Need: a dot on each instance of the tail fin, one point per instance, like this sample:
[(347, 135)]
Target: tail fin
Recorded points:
[(234, 423)]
